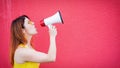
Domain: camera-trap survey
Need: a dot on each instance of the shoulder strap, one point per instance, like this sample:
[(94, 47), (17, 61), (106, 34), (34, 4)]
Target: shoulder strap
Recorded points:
[(22, 45)]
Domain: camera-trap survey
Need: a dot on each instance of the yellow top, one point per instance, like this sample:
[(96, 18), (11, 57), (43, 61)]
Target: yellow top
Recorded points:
[(26, 64)]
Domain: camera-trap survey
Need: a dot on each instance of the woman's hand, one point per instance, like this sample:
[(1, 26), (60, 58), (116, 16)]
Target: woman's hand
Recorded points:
[(52, 31)]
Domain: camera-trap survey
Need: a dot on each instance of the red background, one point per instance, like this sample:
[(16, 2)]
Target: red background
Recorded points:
[(90, 37)]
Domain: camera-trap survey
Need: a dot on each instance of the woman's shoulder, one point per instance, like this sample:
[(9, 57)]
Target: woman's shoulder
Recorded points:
[(22, 49), (20, 52)]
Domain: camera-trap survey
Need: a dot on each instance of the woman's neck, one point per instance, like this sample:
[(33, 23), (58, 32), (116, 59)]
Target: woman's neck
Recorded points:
[(28, 37)]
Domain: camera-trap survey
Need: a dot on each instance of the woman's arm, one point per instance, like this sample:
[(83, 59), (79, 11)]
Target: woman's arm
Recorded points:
[(52, 48)]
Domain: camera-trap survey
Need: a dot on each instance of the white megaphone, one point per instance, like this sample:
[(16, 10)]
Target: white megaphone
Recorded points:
[(56, 18)]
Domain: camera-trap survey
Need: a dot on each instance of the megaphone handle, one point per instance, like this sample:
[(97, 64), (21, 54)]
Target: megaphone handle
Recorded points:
[(49, 26)]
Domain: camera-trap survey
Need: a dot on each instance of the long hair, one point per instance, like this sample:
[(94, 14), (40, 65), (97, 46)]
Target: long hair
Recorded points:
[(17, 36)]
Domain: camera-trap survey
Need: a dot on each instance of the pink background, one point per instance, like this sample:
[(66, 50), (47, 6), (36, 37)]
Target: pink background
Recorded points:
[(90, 37)]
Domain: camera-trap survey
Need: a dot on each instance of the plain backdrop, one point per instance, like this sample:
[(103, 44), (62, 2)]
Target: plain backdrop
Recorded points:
[(89, 37)]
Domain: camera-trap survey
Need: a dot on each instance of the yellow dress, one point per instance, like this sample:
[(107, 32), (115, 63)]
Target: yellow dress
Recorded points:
[(26, 64)]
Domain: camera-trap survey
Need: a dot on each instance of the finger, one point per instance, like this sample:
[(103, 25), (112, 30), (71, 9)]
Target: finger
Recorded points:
[(54, 27)]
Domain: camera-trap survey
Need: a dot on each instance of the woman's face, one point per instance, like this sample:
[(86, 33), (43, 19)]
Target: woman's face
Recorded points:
[(29, 27)]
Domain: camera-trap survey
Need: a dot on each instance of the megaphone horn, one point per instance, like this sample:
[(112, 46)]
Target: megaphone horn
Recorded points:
[(56, 18)]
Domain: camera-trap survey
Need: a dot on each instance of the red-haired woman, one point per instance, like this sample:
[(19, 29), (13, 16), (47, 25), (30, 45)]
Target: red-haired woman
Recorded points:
[(23, 55)]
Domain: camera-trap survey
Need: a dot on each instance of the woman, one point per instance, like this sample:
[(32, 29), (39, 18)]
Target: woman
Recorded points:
[(23, 55)]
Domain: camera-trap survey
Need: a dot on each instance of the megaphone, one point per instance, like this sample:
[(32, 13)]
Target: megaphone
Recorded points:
[(56, 18)]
